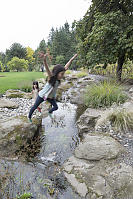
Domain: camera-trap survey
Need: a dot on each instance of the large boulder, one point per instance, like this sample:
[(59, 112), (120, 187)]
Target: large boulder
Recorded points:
[(88, 119), (99, 179), (97, 147), (15, 133), (5, 103), (17, 93)]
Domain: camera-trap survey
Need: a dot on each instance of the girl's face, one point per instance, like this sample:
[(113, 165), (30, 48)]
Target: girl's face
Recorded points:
[(60, 75), (35, 86)]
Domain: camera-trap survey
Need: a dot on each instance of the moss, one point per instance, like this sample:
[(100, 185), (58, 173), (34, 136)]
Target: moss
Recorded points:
[(18, 140), (15, 95)]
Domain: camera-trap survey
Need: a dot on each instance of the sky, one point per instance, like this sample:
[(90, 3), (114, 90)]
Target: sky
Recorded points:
[(29, 21)]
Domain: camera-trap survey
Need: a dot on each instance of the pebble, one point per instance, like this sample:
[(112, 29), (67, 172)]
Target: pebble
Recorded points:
[(23, 109)]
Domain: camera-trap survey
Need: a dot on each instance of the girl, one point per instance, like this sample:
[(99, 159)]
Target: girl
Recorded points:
[(49, 91), (35, 91)]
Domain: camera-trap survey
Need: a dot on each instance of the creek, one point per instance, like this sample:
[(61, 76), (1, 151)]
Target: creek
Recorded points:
[(42, 174)]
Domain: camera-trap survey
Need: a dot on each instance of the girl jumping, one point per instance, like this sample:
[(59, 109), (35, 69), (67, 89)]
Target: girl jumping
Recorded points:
[(49, 90)]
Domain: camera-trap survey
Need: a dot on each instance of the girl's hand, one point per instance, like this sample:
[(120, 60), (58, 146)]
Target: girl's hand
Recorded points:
[(42, 55)]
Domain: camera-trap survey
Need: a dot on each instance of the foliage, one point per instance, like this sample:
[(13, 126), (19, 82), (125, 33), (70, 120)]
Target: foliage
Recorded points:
[(42, 47), (122, 119), (2, 57), (111, 70), (68, 72), (18, 64), (16, 50), (13, 80), (30, 58), (105, 34), (104, 95), (62, 42), (82, 74), (60, 59)]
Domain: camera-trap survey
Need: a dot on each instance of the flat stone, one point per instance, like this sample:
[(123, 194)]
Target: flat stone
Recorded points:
[(97, 147), (80, 188)]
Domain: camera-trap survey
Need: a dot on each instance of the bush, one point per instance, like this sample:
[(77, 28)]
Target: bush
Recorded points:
[(122, 120), (26, 86), (68, 72), (104, 95), (82, 74)]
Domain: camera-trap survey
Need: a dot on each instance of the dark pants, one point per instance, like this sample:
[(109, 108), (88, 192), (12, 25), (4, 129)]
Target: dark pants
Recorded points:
[(39, 100)]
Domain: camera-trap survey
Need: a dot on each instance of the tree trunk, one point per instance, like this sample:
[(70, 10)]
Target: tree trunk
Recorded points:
[(121, 59)]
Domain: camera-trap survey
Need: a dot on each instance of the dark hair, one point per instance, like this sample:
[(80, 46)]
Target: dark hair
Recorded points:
[(35, 83), (56, 70)]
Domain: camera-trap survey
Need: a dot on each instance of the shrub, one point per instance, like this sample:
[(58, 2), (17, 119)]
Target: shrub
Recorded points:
[(82, 74), (104, 95), (68, 72), (122, 120)]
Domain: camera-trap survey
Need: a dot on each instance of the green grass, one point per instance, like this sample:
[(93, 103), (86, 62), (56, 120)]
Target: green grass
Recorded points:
[(13, 80), (104, 95)]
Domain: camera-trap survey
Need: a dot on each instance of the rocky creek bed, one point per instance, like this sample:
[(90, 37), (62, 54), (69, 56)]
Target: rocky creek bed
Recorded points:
[(72, 156)]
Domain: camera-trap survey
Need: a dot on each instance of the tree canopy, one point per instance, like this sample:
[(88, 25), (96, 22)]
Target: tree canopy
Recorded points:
[(105, 33)]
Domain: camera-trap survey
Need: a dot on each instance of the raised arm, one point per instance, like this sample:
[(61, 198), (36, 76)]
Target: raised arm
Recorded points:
[(43, 56), (70, 61)]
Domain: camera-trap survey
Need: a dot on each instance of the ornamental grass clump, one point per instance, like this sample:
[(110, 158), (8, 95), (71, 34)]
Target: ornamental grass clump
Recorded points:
[(122, 120), (104, 94)]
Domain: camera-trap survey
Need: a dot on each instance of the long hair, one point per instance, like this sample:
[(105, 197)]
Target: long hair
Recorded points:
[(56, 70), (35, 83)]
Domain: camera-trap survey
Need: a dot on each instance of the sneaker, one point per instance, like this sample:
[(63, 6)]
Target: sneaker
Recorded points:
[(50, 115), (29, 119)]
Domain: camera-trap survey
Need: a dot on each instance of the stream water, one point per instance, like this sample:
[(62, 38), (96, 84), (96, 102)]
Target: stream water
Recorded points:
[(42, 174)]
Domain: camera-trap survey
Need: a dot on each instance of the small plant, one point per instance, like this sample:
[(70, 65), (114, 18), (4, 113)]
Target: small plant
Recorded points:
[(104, 95), (68, 72), (122, 119), (25, 196), (82, 74), (26, 86)]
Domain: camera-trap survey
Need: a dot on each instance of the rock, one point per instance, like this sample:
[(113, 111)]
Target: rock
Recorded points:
[(131, 90), (87, 120), (15, 133), (77, 165), (5, 103), (80, 188), (97, 147), (17, 94), (103, 179), (120, 178)]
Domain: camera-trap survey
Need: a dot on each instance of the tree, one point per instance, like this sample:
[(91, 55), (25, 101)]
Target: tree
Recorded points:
[(30, 58), (106, 33), (16, 50), (60, 59), (42, 47), (62, 42), (2, 57), (18, 64)]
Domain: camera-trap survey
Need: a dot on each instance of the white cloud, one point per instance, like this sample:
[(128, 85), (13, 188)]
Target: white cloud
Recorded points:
[(29, 21)]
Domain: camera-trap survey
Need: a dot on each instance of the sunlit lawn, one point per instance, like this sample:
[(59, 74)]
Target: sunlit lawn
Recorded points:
[(12, 80)]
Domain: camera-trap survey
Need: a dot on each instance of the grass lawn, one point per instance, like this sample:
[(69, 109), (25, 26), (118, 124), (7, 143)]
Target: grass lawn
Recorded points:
[(13, 80)]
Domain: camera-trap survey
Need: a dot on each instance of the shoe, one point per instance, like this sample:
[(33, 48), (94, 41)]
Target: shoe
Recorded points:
[(50, 115), (29, 119)]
